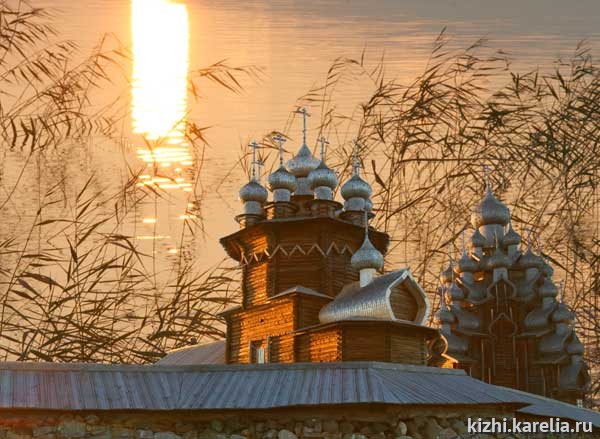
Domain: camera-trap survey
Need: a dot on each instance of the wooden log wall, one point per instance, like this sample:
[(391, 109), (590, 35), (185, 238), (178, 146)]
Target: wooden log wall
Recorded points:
[(281, 349), (257, 324), (363, 344), (298, 269), (407, 349), (307, 310), (254, 283), (404, 305), (378, 344), (319, 346)]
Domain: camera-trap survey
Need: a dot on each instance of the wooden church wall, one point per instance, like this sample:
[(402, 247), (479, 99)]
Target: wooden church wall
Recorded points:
[(281, 349), (319, 346), (404, 305), (407, 349), (381, 344), (254, 280), (307, 310), (257, 324)]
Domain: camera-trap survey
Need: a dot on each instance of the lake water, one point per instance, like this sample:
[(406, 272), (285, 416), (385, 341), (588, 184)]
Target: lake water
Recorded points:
[(294, 42)]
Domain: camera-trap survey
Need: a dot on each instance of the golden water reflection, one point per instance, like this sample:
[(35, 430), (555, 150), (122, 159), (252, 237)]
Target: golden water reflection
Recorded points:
[(160, 33)]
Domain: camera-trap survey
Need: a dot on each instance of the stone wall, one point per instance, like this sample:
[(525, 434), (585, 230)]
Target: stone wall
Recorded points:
[(268, 425)]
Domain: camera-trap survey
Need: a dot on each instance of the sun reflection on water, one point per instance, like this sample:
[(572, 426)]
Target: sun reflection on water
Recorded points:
[(160, 71), (159, 87)]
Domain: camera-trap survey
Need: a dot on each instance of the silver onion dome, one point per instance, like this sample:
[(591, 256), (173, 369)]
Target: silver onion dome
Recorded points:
[(511, 237), (548, 289), (456, 293), (466, 263), (303, 162), (490, 211), (562, 314), (356, 187), (546, 269), (445, 316), (367, 256), (498, 259), (575, 347), (478, 240), (253, 191), (448, 274), (530, 260), (322, 176), (282, 179)]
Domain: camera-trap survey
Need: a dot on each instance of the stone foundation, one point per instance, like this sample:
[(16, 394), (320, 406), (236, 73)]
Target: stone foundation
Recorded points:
[(203, 425)]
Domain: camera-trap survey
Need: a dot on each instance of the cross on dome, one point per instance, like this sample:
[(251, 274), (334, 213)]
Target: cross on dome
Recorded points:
[(355, 160), (304, 114), (280, 141), (260, 164), (487, 172), (254, 147), (324, 142)]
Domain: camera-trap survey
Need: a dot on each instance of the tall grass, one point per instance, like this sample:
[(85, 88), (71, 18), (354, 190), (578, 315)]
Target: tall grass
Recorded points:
[(75, 284), (424, 144)]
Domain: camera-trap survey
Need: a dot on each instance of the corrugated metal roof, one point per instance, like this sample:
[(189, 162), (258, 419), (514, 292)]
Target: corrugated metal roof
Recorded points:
[(52, 386), (89, 386), (210, 353)]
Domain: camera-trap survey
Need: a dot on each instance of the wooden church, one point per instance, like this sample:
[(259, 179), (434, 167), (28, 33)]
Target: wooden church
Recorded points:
[(507, 322), (314, 291), (311, 285)]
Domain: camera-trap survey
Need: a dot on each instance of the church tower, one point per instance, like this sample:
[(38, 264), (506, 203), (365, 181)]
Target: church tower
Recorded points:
[(311, 272), (502, 315)]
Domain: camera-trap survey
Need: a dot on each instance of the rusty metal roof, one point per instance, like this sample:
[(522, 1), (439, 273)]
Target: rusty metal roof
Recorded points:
[(52, 386)]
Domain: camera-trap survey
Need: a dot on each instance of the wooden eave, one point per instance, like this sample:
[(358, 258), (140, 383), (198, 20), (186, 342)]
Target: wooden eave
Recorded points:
[(234, 242), (430, 333)]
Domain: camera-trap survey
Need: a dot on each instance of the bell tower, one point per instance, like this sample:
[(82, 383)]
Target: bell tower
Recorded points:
[(309, 271)]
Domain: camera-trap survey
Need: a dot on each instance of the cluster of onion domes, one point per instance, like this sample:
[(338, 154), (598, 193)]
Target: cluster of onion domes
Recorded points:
[(495, 255), (300, 166), (306, 177)]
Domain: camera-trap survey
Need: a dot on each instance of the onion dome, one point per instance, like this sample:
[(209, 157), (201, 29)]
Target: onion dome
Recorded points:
[(253, 191), (546, 269), (575, 347), (303, 162), (282, 179), (448, 274), (498, 259), (562, 314), (466, 263), (356, 187), (478, 240), (530, 260), (456, 293), (367, 256), (322, 176), (548, 289), (445, 316), (511, 237), (490, 211)]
